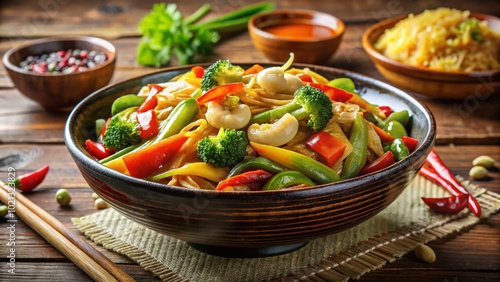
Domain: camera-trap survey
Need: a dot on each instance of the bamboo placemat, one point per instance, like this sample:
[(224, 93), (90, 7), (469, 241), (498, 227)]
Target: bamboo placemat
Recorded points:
[(339, 257)]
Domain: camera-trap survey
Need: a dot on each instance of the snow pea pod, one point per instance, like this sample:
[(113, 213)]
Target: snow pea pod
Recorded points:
[(286, 179), (396, 129), (359, 140), (126, 101), (399, 149), (402, 116), (256, 163)]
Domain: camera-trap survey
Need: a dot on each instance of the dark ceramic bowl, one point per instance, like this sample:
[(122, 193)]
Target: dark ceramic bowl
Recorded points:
[(255, 223), (58, 92), (435, 84)]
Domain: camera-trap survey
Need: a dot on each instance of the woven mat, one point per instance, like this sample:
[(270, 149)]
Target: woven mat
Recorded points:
[(339, 257)]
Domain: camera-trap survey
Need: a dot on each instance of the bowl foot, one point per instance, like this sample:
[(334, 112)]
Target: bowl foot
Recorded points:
[(247, 252)]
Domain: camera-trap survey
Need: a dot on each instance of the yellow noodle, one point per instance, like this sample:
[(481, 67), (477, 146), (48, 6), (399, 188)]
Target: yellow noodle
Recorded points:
[(442, 39)]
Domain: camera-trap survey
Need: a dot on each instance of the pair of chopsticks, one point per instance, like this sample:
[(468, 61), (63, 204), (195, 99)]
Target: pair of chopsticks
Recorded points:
[(85, 256)]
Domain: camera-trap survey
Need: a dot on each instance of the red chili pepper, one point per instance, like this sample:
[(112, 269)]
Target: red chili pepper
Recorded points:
[(253, 69), (385, 137), (386, 110), (151, 101), (148, 124), (97, 150), (244, 178), (219, 92), (411, 143), (381, 162), (435, 170), (450, 205), (327, 146), (30, 181), (145, 162), (335, 94), (198, 71)]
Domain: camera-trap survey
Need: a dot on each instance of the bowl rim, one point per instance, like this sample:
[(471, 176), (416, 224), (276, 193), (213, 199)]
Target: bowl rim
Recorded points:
[(111, 53), (341, 185), (338, 32), (369, 47)]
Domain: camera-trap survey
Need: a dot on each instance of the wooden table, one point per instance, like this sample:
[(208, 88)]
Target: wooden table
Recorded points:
[(31, 137)]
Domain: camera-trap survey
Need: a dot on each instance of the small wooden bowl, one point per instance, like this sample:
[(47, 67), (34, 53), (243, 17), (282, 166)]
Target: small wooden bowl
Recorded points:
[(256, 223), (431, 83), (314, 49), (59, 92)]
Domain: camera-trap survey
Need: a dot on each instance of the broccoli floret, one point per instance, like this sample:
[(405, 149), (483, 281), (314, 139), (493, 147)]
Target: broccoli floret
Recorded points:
[(225, 149), (219, 73), (122, 131), (308, 103)]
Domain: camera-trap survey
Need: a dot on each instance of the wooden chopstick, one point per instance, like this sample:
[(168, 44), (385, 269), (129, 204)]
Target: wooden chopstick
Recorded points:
[(84, 255)]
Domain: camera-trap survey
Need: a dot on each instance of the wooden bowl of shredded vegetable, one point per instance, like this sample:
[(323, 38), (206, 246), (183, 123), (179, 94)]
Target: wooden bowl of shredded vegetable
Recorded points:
[(442, 53), (246, 159)]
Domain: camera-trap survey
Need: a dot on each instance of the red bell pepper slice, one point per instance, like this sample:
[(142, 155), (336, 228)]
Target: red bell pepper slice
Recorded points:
[(105, 127), (335, 94), (449, 205), (30, 181), (244, 178), (386, 110), (151, 101), (148, 124), (97, 150), (381, 162), (329, 147), (255, 69), (145, 162), (220, 91), (304, 77), (385, 137), (410, 143), (198, 71), (436, 171)]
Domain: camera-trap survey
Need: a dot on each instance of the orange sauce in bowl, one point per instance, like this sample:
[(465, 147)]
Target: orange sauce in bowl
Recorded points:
[(301, 31)]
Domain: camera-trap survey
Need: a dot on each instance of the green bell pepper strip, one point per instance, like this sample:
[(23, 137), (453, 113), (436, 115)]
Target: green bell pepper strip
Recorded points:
[(402, 116), (126, 101), (256, 163), (286, 179), (343, 83), (200, 169), (311, 168), (359, 140), (399, 149), (396, 129)]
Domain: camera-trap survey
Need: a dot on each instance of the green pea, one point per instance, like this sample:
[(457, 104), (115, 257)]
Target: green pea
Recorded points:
[(62, 197), (399, 149), (395, 129), (402, 116), (3, 211)]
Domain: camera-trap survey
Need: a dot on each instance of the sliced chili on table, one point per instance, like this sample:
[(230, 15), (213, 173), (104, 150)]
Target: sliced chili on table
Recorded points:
[(449, 205)]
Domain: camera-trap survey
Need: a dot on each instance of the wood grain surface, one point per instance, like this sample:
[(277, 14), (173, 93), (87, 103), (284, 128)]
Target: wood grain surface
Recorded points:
[(31, 137)]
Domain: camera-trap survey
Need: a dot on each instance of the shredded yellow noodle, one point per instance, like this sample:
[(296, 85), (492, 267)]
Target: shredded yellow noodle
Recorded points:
[(443, 39)]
